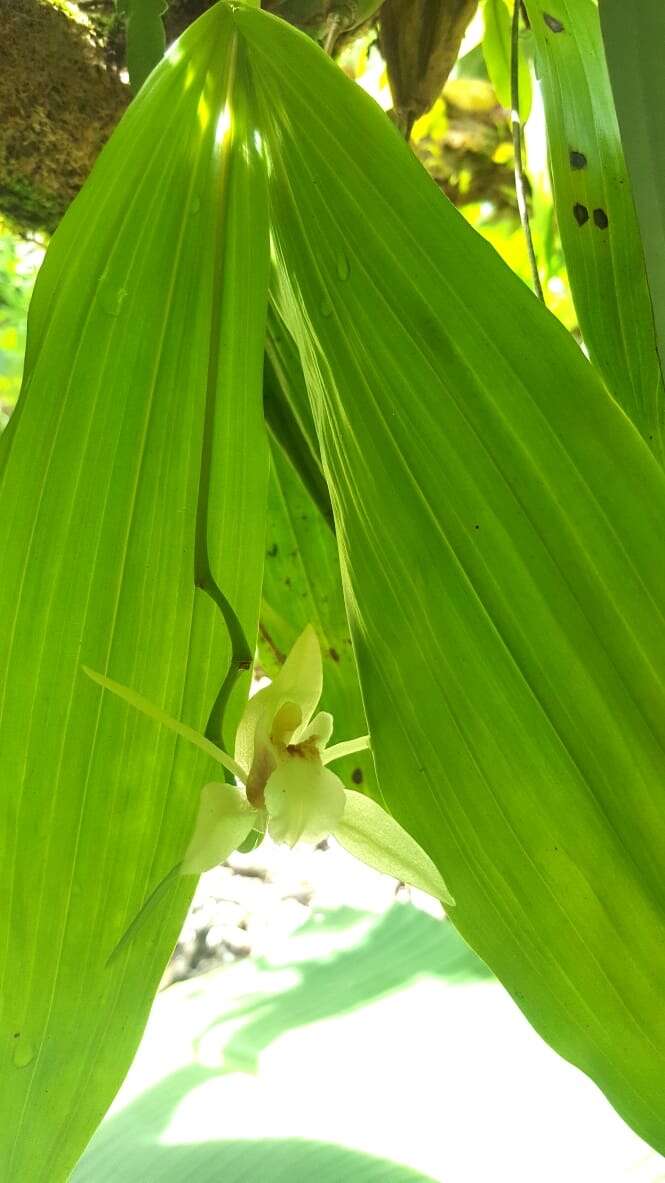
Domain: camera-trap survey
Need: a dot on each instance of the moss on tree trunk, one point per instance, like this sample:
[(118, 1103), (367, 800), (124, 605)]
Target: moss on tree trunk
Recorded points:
[(58, 105)]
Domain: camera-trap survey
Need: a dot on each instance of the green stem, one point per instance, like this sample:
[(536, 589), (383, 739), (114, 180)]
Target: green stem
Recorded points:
[(332, 32)]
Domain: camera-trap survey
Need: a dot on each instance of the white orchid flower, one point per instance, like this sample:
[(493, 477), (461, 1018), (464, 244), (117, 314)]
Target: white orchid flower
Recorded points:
[(281, 760)]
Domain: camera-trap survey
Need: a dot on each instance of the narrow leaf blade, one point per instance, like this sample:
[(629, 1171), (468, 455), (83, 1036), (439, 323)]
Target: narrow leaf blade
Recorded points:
[(633, 36), (595, 211)]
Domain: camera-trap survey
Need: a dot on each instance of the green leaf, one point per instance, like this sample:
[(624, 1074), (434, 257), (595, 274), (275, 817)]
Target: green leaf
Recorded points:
[(497, 53), (501, 528), (133, 478), (595, 209), (302, 585), (147, 708), (302, 580), (146, 39), (288, 413), (634, 35)]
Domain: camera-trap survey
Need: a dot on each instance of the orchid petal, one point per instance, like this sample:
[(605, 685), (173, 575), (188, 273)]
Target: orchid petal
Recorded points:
[(304, 801), (286, 722), (182, 729), (373, 836), (319, 729), (346, 748), (223, 822), (300, 681)]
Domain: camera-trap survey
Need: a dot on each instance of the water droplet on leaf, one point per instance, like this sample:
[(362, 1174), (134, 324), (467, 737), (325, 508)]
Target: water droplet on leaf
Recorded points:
[(343, 266), (24, 1053), (111, 296), (326, 307)]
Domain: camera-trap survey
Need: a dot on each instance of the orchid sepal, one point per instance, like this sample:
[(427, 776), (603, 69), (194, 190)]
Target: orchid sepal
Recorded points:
[(224, 820), (367, 831), (147, 708)]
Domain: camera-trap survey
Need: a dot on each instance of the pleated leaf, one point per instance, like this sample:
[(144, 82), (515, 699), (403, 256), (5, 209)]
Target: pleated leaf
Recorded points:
[(501, 527), (595, 209), (132, 480)]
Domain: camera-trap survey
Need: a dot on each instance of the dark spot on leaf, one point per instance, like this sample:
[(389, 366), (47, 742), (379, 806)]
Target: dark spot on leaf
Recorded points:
[(581, 213), (357, 776), (17, 1033), (476, 527), (287, 581), (601, 219), (273, 550), (334, 654), (552, 23), (577, 160)]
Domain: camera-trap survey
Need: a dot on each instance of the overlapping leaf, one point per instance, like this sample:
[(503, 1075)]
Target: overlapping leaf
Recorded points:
[(634, 37), (595, 209), (288, 413), (302, 582), (497, 53), (134, 468), (302, 585), (501, 525)]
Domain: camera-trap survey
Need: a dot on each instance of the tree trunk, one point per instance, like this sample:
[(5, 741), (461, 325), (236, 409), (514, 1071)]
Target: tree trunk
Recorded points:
[(61, 95), (59, 102)]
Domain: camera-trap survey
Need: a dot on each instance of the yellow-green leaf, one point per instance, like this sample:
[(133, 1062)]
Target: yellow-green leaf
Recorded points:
[(501, 527), (132, 479)]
